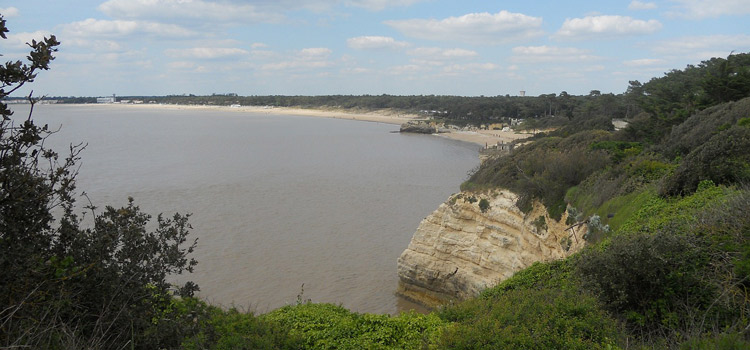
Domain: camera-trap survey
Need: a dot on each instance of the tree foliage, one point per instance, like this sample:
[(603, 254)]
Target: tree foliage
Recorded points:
[(544, 170), (65, 285)]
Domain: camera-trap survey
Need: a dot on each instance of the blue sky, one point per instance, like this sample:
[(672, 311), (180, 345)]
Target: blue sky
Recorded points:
[(402, 47)]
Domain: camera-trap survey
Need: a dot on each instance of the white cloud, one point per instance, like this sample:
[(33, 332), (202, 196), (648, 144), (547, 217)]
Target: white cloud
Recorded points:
[(97, 45), (315, 52), (469, 67), (407, 69), (206, 52), (536, 54), (181, 65), (439, 57), (640, 5), (703, 47), (119, 28), (437, 53), (356, 70), (263, 54), (644, 62), (474, 28), (606, 26), (427, 62), (699, 9), (184, 10), (232, 12), (377, 5), (255, 46), (284, 65), (9, 12), (19, 40), (375, 43), (308, 58)]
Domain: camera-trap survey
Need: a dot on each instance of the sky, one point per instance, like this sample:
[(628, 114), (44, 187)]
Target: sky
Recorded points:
[(357, 47)]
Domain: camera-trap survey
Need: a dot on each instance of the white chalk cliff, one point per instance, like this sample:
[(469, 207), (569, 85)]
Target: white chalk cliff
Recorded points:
[(460, 250)]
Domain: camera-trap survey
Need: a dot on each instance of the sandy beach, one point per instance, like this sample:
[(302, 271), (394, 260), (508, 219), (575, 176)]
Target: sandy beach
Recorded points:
[(480, 137), (484, 137)]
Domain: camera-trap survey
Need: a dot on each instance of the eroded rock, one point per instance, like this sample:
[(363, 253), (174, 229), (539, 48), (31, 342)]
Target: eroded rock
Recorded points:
[(458, 250)]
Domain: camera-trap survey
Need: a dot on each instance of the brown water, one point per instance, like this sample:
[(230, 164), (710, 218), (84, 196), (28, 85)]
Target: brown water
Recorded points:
[(277, 201)]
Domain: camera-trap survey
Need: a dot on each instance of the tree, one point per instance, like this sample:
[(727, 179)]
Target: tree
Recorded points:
[(68, 286)]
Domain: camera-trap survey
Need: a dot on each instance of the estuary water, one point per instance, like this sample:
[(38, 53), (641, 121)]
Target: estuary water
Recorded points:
[(277, 201)]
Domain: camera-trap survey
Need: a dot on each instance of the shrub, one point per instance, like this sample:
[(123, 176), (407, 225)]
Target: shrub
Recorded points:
[(618, 150), (65, 285), (702, 126), (547, 318), (723, 159), (326, 326), (657, 283), (540, 224), (654, 213), (723, 341), (596, 229), (232, 329), (544, 170), (484, 205)]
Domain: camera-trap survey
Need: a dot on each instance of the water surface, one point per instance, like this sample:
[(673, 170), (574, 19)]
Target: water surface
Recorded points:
[(277, 201)]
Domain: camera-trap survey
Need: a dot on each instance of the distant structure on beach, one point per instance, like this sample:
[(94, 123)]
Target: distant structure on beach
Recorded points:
[(106, 99)]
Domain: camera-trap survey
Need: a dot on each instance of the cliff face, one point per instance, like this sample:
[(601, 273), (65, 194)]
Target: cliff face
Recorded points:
[(460, 250)]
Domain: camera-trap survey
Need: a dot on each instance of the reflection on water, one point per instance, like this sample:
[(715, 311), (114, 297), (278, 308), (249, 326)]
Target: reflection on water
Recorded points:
[(277, 201)]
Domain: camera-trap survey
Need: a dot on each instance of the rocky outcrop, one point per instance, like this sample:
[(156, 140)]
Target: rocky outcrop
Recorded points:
[(418, 127), (474, 241)]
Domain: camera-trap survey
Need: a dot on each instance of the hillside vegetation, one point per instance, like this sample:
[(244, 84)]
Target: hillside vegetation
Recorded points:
[(665, 199)]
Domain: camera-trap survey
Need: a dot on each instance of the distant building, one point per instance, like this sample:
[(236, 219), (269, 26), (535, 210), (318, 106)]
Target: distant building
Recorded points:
[(106, 99), (522, 93)]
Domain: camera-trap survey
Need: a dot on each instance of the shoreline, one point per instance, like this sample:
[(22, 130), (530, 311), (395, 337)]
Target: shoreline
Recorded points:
[(387, 116)]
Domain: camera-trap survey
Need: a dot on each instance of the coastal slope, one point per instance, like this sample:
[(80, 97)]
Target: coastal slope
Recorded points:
[(475, 240)]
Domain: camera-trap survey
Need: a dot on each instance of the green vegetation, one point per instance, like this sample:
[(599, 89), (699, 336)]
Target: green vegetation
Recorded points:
[(484, 205), (665, 199), (326, 326), (65, 285), (538, 308), (544, 170)]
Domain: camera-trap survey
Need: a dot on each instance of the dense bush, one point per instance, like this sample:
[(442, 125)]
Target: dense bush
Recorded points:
[(231, 329), (653, 213), (655, 281), (65, 286), (326, 326), (723, 159), (544, 170), (702, 126), (727, 226), (684, 273), (534, 319), (618, 150), (538, 308), (723, 341), (602, 193)]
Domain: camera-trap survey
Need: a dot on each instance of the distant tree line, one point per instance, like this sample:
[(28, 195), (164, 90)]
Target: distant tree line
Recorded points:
[(671, 98)]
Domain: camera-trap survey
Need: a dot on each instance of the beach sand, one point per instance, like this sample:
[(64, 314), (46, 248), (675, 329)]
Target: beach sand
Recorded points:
[(484, 137), (480, 137)]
